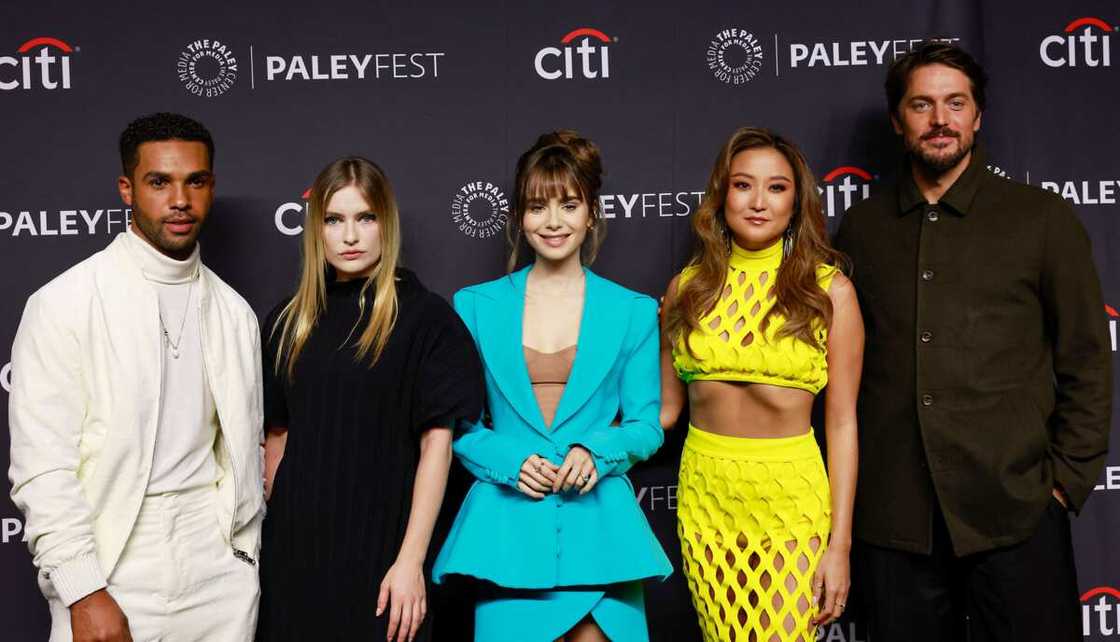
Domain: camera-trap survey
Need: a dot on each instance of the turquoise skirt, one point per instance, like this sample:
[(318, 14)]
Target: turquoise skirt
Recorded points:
[(532, 615)]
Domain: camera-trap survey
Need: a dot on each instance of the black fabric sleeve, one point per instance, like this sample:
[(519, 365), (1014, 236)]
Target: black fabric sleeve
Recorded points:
[(1071, 298), (449, 384), (275, 399)]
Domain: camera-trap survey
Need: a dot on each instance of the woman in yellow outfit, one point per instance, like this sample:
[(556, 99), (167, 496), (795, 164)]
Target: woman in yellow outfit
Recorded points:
[(753, 328)]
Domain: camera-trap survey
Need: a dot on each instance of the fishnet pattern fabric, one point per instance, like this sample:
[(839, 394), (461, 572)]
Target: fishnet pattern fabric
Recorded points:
[(752, 534), (738, 342)]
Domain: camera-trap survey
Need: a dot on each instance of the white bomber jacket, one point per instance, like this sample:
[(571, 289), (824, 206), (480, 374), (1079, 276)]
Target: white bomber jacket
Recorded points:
[(84, 406)]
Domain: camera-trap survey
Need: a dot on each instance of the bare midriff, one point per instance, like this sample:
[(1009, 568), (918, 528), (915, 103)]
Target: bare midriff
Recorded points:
[(758, 410)]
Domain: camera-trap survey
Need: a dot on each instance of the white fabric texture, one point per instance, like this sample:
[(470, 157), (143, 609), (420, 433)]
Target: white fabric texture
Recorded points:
[(177, 578), (84, 408), (183, 457)]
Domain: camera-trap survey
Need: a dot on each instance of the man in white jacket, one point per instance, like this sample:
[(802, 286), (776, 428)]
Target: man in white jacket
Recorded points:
[(135, 416)]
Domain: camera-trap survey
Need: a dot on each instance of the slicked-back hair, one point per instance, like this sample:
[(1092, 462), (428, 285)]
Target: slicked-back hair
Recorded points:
[(934, 52), (159, 127)]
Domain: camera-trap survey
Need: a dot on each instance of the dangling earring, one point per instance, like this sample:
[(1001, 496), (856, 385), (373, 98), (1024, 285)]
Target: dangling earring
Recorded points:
[(787, 242)]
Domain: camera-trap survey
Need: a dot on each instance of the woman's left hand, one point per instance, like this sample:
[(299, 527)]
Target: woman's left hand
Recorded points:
[(577, 470), (403, 593), (830, 585)]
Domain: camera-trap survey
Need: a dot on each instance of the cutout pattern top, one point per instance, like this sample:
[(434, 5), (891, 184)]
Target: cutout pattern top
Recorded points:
[(548, 372), (735, 343)]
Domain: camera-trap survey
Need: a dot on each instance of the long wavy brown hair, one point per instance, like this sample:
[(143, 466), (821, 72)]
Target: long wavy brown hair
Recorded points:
[(799, 298), (300, 316)]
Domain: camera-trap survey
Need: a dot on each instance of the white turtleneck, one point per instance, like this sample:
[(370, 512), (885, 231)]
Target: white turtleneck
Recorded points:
[(188, 420)]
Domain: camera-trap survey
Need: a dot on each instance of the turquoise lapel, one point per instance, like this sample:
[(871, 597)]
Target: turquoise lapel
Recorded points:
[(499, 337), (601, 330)]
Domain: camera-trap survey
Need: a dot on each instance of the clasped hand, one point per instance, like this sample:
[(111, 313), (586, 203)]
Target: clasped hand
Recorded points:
[(539, 476)]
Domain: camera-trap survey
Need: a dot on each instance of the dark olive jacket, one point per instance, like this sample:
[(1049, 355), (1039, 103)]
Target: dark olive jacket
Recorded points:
[(987, 368)]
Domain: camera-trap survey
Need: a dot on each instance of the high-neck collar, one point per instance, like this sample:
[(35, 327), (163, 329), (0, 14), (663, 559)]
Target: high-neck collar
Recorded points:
[(159, 267), (766, 258)]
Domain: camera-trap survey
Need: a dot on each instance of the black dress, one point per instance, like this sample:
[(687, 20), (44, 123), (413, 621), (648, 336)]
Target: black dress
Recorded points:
[(341, 497)]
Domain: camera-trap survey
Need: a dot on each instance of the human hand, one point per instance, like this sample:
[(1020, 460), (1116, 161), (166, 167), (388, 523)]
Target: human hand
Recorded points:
[(536, 477), (403, 593), (578, 469), (830, 586), (97, 618)]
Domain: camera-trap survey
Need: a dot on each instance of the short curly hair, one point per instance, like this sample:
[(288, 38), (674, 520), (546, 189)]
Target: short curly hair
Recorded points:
[(157, 127)]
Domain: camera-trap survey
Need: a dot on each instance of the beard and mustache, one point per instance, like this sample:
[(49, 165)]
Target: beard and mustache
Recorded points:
[(935, 161)]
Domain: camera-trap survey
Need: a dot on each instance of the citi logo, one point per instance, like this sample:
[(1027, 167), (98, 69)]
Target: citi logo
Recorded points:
[(1113, 315), (1100, 613), (552, 63), (285, 213), (843, 187), (20, 75), (1085, 49)]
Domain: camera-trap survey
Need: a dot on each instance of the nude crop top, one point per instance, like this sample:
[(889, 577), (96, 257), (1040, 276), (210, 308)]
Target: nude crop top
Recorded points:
[(730, 344)]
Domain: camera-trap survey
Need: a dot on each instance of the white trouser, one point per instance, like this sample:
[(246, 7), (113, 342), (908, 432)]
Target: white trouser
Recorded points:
[(178, 580)]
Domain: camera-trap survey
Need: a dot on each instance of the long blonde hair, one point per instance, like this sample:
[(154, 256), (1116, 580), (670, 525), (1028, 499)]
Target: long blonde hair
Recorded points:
[(298, 318), (799, 298)]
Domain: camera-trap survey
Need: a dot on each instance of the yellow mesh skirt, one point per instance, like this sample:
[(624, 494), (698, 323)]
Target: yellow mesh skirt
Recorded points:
[(753, 517)]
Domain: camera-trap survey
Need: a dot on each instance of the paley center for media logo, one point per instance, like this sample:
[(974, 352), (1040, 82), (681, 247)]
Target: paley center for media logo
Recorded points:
[(207, 68), (1091, 47), (76, 222), (843, 187), (210, 67), (37, 54), (480, 209), (735, 56), (592, 47)]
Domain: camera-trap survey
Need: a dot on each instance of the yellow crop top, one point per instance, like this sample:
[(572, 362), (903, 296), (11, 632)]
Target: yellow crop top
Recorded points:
[(730, 345)]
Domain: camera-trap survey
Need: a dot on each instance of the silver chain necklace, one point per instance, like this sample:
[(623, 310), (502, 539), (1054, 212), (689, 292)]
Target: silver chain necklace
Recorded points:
[(174, 345)]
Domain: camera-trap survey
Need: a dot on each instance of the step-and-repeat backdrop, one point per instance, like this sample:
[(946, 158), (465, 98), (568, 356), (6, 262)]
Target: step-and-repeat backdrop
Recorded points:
[(445, 95)]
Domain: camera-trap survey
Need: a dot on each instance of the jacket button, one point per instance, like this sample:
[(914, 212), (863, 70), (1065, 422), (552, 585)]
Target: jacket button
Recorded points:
[(931, 216), (926, 337), (927, 275), (927, 400)]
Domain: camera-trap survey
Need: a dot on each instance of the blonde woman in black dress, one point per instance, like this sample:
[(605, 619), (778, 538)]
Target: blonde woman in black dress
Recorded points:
[(366, 371)]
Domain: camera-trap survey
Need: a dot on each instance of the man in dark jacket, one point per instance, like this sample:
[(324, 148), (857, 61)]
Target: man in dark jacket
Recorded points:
[(986, 396)]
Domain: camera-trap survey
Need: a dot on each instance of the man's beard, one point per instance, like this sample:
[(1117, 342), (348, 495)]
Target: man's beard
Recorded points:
[(177, 248), (939, 164)]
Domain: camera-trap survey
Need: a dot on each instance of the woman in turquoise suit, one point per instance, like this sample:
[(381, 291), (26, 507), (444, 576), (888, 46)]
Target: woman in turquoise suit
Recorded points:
[(572, 381)]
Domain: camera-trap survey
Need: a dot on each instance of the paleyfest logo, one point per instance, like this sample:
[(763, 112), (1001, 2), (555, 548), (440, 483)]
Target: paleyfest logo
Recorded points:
[(843, 187), (18, 72), (594, 53), (735, 56), (207, 68), (1084, 49), (480, 209)]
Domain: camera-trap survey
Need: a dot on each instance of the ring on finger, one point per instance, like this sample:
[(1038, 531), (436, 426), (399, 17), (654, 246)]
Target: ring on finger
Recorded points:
[(585, 479)]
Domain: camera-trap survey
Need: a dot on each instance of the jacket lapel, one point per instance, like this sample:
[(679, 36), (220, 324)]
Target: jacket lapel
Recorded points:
[(133, 329), (601, 330), (499, 337)]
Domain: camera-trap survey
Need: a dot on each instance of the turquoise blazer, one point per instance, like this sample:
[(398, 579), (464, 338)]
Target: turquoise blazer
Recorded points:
[(565, 539)]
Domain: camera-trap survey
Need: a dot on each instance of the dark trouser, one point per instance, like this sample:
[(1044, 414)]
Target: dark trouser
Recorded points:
[(1023, 592)]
